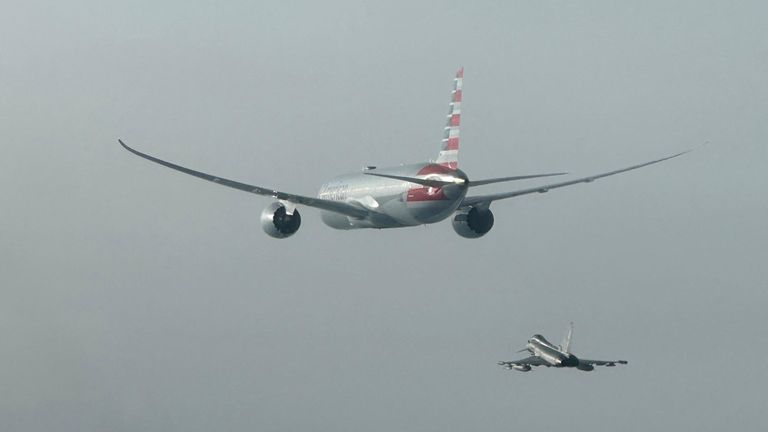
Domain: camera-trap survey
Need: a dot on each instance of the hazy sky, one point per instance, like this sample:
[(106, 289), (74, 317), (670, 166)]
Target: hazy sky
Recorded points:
[(138, 298)]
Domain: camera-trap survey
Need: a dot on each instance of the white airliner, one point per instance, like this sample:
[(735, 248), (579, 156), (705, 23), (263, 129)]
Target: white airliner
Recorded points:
[(403, 196), (544, 353)]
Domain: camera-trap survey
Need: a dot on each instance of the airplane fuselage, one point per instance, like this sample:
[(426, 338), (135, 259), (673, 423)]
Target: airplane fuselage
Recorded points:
[(550, 353), (395, 203)]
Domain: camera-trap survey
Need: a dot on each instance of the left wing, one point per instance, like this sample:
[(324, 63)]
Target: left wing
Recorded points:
[(334, 206), (608, 363), (485, 200), (422, 181), (528, 361)]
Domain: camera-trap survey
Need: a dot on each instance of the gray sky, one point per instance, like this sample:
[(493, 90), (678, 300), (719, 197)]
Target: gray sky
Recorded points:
[(136, 298)]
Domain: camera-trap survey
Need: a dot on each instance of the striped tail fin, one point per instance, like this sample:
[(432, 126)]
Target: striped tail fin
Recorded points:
[(449, 155)]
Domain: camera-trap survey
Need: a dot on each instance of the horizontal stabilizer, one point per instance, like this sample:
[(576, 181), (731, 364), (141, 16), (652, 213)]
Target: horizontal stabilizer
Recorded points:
[(512, 178), (424, 182)]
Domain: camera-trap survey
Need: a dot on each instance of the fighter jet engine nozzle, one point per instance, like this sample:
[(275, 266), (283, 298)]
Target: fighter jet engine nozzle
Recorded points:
[(473, 223), (277, 223), (571, 361), (522, 368)]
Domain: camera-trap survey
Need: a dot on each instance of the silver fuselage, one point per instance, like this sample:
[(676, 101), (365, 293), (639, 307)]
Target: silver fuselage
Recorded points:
[(395, 203), (550, 353)]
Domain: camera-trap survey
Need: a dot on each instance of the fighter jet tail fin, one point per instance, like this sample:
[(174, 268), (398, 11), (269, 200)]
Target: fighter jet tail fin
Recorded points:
[(449, 154), (566, 345)]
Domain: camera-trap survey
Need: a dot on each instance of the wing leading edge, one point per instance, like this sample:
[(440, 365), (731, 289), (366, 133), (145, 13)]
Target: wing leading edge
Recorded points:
[(334, 206), (486, 200)]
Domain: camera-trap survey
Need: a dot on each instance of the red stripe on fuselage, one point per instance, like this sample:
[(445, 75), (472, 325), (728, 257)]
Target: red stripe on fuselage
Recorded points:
[(451, 165), (425, 194), (422, 193), (434, 169)]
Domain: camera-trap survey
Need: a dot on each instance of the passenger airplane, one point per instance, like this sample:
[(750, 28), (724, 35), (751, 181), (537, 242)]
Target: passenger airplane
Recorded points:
[(543, 353), (404, 196)]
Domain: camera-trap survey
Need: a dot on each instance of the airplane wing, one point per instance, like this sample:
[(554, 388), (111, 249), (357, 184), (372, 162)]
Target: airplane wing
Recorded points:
[(485, 200), (334, 206), (528, 361), (512, 178), (608, 363)]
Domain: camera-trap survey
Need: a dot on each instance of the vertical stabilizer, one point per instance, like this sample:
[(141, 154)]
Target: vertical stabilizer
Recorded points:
[(449, 155), (566, 345)]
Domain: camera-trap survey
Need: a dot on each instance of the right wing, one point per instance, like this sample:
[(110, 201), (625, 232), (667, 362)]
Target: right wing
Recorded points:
[(334, 206), (608, 363), (485, 200)]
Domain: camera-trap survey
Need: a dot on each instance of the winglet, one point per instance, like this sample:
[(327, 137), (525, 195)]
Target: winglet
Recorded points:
[(125, 146)]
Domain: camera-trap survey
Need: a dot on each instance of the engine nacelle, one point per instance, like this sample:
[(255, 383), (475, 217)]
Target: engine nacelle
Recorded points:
[(473, 223), (522, 368), (277, 223)]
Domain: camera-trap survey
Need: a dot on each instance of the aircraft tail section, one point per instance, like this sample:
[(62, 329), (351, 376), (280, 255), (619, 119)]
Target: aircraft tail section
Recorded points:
[(449, 155), (566, 345)]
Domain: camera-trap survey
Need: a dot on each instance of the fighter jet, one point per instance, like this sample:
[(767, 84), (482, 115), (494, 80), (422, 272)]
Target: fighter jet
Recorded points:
[(544, 353), (403, 196)]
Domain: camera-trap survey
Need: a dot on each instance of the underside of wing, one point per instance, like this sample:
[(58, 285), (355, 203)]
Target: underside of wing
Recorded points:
[(333, 206), (485, 200), (528, 361), (608, 363)]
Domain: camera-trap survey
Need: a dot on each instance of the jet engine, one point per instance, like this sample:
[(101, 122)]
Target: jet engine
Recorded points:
[(473, 223), (522, 368), (277, 223)]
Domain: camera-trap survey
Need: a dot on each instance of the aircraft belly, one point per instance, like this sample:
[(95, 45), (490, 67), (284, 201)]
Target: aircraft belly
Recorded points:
[(393, 212), (336, 220), (392, 203), (424, 212)]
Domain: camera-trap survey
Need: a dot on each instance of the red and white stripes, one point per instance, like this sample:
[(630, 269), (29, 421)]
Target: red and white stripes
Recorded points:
[(449, 155)]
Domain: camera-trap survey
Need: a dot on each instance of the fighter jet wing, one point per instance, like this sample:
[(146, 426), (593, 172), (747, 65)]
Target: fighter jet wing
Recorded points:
[(334, 206), (528, 361), (485, 200), (608, 363)]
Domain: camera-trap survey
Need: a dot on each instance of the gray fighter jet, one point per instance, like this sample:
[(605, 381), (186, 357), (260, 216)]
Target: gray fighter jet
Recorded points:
[(544, 353)]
